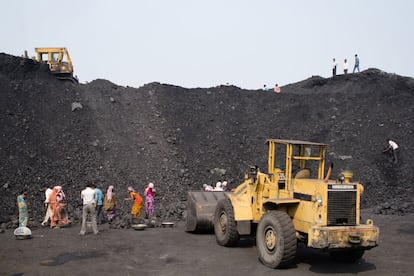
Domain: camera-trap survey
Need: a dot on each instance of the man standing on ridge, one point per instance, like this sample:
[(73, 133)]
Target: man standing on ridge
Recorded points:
[(356, 66), (334, 65), (345, 67), (277, 88)]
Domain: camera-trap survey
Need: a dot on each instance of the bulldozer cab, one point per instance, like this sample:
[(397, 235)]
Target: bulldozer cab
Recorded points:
[(290, 159), (59, 61)]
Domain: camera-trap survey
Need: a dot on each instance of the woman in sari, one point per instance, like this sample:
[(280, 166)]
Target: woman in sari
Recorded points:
[(149, 193), (23, 213), (136, 207), (110, 204), (57, 204)]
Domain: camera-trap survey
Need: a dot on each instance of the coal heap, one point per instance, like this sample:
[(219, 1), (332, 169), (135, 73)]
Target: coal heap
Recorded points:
[(61, 133)]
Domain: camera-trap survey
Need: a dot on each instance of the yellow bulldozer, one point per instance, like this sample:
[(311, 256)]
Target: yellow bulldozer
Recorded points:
[(294, 202), (59, 61)]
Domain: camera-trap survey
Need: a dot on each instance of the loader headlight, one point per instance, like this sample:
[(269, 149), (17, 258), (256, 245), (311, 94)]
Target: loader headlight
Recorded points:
[(319, 200)]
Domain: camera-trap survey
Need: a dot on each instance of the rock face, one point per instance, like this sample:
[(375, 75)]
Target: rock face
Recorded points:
[(60, 133)]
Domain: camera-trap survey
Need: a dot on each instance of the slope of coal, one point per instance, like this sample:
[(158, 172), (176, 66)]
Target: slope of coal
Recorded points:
[(56, 132)]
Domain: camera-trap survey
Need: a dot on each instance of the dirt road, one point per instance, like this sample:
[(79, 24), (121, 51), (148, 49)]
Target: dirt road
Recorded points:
[(172, 251)]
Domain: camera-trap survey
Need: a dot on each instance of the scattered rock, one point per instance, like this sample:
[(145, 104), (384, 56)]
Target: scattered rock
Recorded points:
[(76, 106)]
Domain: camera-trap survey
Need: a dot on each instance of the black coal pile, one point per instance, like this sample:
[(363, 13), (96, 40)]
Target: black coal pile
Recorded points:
[(60, 133)]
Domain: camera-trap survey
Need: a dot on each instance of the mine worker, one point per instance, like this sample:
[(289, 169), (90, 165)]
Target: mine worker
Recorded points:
[(99, 204), (62, 215), (208, 188), (393, 148), (356, 66), (57, 204), (88, 198), (224, 185), (110, 204), (48, 192), (218, 187), (137, 205), (276, 89), (149, 194), (22, 205), (345, 67)]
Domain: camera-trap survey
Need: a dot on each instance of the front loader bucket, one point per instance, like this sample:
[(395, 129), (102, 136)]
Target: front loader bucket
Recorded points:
[(200, 210)]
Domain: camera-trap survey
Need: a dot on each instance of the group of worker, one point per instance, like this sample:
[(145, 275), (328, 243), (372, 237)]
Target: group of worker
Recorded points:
[(345, 66), (94, 205), (55, 202), (91, 198), (220, 186), (94, 201)]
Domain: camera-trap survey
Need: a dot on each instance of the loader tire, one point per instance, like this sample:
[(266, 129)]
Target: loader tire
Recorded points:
[(276, 240), (225, 226), (347, 256)]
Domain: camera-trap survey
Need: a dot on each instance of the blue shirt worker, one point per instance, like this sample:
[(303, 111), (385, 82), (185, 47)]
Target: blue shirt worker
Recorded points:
[(99, 203)]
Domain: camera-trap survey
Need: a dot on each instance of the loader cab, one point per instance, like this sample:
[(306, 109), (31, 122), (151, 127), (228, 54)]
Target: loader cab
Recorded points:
[(290, 159), (58, 59)]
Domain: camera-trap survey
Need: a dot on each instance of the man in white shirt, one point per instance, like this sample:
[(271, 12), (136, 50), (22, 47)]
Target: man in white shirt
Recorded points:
[(345, 67), (392, 148), (48, 210), (88, 197)]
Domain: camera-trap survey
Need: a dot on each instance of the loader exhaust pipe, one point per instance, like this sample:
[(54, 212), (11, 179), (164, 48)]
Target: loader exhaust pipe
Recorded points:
[(328, 174)]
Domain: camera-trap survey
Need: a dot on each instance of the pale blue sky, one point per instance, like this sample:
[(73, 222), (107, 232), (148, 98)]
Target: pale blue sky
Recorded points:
[(194, 43)]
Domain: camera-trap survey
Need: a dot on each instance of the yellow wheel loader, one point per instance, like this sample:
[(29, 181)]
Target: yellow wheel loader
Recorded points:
[(294, 201), (59, 61)]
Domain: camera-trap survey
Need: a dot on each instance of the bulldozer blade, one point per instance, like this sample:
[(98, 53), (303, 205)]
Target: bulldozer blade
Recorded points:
[(200, 210)]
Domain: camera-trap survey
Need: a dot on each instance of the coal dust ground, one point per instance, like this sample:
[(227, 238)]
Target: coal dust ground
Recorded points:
[(62, 133), (172, 251)]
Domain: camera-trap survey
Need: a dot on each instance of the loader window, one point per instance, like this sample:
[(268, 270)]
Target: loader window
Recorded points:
[(44, 56), (308, 152), (280, 156), (64, 58), (55, 56)]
